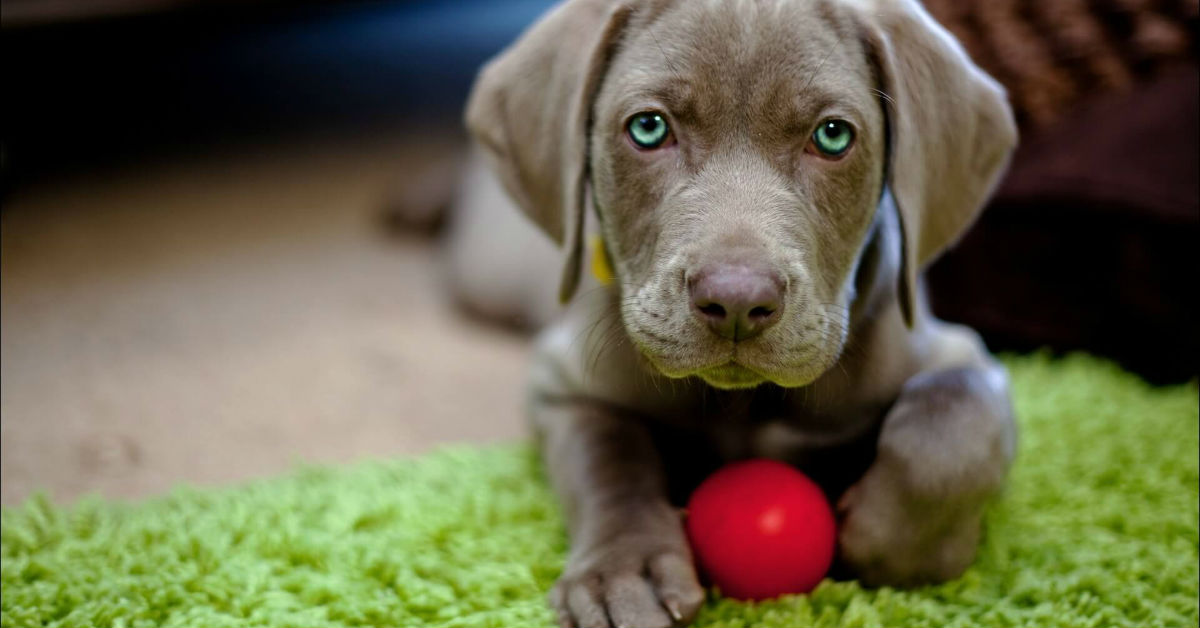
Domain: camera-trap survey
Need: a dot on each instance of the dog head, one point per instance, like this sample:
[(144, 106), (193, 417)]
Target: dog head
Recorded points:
[(736, 152)]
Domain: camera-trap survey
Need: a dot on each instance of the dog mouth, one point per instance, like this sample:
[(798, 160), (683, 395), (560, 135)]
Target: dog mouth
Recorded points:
[(788, 355), (735, 372), (731, 376)]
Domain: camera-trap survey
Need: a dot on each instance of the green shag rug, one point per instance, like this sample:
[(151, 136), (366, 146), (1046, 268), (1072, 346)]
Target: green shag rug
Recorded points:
[(1098, 528)]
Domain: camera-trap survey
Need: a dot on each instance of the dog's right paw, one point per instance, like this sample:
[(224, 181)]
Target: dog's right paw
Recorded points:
[(630, 583)]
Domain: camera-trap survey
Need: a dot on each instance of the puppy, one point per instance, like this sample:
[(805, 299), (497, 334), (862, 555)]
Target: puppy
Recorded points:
[(769, 178)]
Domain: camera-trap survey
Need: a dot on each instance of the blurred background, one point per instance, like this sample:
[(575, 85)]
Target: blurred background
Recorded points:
[(204, 278)]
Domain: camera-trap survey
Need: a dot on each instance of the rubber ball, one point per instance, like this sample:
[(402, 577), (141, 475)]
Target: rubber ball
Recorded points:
[(760, 529)]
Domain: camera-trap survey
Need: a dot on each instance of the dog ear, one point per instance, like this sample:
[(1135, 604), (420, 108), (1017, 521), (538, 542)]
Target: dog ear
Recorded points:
[(951, 131), (530, 109)]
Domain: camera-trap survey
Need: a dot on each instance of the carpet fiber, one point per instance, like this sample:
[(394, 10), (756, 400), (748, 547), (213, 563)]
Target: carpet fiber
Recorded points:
[(1098, 527)]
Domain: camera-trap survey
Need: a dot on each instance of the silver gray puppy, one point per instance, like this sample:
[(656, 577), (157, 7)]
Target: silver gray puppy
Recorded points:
[(769, 177)]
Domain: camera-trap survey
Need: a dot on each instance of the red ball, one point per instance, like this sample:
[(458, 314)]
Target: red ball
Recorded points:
[(760, 529)]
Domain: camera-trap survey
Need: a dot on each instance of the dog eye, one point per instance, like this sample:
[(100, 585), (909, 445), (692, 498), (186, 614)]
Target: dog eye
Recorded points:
[(833, 137), (648, 129)]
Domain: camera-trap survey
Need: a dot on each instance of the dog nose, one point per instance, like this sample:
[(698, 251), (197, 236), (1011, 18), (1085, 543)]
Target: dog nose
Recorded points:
[(736, 301)]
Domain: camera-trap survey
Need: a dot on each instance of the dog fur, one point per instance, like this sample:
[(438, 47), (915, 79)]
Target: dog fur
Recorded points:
[(903, 419)]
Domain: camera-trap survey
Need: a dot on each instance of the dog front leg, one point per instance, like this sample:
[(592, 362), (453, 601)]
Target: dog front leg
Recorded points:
[(629, 564), (944, 450)]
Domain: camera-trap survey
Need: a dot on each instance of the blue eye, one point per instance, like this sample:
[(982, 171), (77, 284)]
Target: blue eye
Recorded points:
[(648, 129), (833, 137)]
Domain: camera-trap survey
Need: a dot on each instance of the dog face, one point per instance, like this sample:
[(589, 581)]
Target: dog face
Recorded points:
[(736, 168), (736, 152)]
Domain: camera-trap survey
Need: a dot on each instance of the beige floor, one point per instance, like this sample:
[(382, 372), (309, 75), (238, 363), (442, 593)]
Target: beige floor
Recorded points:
[(228, 316)]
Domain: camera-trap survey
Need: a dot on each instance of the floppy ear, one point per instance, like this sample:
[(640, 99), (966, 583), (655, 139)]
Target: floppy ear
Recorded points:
[(530, 109), (951, 131)]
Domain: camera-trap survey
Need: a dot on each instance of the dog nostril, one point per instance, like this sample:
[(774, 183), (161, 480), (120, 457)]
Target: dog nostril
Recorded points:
[(715, 310), (761, 312)]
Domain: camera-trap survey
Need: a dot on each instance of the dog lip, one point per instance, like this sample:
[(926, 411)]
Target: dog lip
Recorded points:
[(726, 371), (731, 374)]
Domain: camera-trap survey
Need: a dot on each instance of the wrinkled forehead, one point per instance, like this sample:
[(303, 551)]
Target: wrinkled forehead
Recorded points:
[(708, 58)]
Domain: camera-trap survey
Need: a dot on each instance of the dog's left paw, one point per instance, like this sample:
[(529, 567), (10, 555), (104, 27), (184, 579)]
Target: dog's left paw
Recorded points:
[(890, 537)]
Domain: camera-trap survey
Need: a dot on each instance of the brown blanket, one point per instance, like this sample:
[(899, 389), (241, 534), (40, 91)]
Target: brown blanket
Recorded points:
[(1089, 243)]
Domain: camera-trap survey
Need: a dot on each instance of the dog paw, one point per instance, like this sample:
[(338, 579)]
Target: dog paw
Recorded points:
[(888, 537), (630, 583)]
